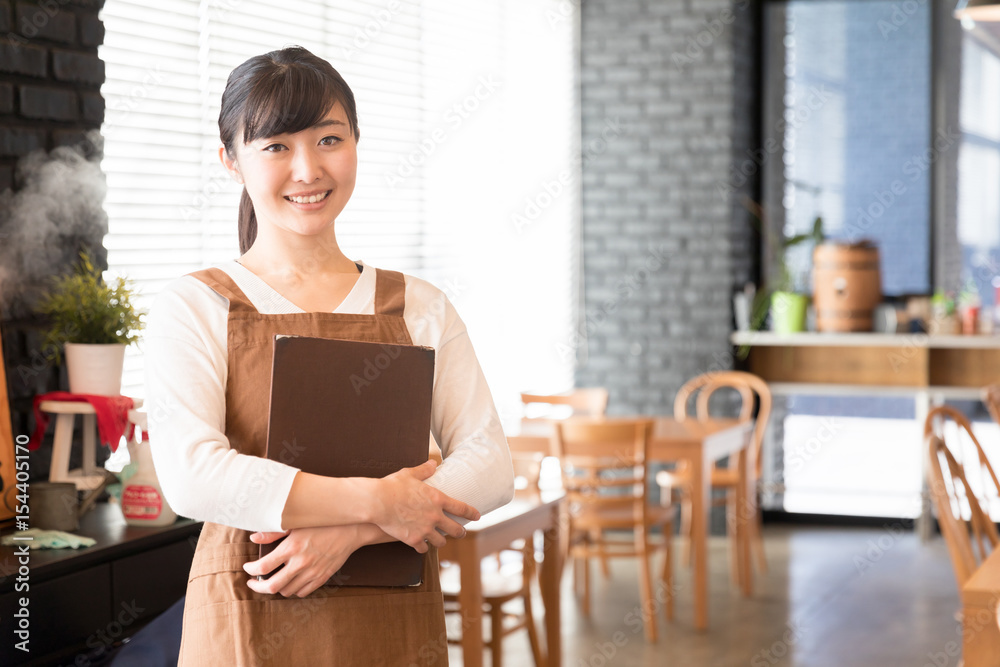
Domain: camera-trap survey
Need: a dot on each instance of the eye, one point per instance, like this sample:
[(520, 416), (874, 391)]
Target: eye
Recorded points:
[(274, 148), (330, 141)]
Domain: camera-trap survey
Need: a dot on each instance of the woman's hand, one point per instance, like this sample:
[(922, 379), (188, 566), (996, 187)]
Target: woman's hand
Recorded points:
[(414, 512), (310, 557)]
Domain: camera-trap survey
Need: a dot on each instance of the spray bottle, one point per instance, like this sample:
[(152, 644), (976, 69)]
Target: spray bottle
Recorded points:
[(143, 503)]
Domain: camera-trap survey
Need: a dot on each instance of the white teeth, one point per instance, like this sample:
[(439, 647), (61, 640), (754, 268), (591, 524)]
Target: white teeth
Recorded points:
[(309, 200)]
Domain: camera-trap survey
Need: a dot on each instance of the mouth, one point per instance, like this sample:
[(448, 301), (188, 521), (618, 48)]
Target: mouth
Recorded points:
[(309, 199)]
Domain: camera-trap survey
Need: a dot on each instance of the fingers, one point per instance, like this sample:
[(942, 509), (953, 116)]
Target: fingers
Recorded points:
[(266, 538), (265, 565), (424, 470), (458, 508), (285, 582), (452, 528)]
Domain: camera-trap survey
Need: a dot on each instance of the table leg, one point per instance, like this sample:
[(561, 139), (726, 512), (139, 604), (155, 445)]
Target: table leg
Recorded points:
[(700, 502), (470, 599), (549, 576)]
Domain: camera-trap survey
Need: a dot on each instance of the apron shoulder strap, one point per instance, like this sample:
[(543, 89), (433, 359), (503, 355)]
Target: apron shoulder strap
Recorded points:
[(390, 293), (221, 282)]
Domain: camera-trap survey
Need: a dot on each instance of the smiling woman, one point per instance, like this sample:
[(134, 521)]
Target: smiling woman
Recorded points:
[(289, 134)]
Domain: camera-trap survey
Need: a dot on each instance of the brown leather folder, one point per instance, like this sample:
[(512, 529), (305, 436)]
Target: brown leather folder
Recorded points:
[(344, 408)]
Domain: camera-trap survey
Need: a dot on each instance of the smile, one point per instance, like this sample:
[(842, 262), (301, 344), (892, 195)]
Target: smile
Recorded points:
[(310, 199)]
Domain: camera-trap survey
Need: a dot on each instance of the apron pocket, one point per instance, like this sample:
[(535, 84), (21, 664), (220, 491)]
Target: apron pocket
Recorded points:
[(388, 630)]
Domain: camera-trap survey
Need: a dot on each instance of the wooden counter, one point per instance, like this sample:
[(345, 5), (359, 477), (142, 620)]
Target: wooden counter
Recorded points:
[(951, 365)]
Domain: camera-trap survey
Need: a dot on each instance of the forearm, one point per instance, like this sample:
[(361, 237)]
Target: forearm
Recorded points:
[(314, 500), (401, 504), (369, 533)]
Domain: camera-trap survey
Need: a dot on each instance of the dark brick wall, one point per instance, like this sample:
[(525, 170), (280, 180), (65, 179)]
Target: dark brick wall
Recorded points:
[(50, 83), (666, 239), (50, 76)]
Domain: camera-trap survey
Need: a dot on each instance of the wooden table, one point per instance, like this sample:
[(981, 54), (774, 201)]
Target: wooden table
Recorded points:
[(701, 443), (519, 519), (980, 597)]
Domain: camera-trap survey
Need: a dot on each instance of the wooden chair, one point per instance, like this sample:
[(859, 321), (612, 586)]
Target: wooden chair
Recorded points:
[(589, 401), (753, 392), (967, 529), (503, 581), (604, 475), (580, 402), (988, 483)]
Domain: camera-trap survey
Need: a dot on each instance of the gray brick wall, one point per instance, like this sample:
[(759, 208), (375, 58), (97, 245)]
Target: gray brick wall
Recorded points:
[(665, 238), (50, 96)]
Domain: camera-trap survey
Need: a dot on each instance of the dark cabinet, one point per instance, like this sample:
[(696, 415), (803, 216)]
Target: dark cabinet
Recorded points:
[(82, 601)]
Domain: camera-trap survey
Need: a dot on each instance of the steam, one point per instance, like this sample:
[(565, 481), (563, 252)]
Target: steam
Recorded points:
[(58, 211)]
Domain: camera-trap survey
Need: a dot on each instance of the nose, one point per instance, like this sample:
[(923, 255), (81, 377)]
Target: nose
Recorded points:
[(306, 166)]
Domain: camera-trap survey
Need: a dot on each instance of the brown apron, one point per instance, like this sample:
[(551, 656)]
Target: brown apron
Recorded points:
[(228, 625)]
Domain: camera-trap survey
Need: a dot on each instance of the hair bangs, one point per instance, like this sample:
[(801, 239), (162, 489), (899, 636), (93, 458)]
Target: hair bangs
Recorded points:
[(290, 100)]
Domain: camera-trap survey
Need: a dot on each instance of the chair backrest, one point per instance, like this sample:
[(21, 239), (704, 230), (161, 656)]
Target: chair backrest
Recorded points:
[(585, 401), (752, 391), (968, 531), (604, 462), (989, 485)]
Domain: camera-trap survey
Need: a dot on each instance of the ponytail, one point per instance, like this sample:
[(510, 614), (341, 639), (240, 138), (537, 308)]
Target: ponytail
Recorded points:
[(247, 223)]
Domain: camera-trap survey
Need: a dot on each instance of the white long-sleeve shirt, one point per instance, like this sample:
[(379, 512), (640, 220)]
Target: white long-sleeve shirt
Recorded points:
[(186, 361)]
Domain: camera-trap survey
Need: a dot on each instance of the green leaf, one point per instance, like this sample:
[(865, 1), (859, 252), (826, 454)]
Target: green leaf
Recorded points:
[(83, 309)]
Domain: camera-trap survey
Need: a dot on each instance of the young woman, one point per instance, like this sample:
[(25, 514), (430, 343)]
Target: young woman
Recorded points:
[(289, 133)]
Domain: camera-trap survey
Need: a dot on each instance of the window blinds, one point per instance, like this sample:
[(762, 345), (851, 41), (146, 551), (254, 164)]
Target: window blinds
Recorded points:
[(466, 111)]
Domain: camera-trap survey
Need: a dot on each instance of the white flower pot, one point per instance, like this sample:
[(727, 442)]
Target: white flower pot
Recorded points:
[(95, 369)]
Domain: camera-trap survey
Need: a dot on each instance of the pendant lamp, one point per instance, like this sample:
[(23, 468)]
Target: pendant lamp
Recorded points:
[(978, 10)]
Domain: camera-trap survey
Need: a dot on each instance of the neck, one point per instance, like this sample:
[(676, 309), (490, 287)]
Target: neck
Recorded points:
[(293, 255)]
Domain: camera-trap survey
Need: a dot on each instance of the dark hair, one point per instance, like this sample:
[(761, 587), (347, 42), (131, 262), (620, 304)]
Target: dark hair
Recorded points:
[(279, 92)]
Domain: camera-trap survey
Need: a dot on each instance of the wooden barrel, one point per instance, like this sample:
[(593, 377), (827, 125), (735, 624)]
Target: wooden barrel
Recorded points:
[(847, 285)]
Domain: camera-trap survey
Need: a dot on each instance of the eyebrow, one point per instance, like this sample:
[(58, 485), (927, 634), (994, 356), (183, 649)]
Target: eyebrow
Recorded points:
[(328, 122)]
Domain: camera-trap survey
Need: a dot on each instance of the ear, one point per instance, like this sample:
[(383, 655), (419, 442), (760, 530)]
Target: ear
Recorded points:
[(230, 164)]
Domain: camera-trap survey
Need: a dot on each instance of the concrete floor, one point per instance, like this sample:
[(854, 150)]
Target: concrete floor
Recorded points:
[(834, 597)]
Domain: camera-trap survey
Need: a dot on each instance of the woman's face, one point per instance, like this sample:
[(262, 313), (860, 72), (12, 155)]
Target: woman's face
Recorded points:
[(299, 183)]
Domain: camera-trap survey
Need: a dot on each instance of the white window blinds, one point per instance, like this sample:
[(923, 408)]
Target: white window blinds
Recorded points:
[(467, 112)]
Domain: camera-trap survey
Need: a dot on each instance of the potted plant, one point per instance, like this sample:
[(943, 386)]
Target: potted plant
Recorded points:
[(783, 297), (788, 303), (93, 322)]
